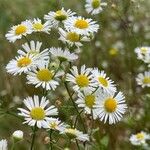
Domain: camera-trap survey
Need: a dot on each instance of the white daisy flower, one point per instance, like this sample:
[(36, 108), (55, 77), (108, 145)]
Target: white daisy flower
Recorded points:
[(38, 26), (94, 6), (3, 145), (44, 77), (54, 18), (103, 81), (34, 48), (87, 100), (37, 113), (81, 26), (139, 138), (143, 79), (63, 55), (142, 51), (110, 107), (82, 80), (71, 38), (76, 134), (22, 64), (19, 30), (55, 124)]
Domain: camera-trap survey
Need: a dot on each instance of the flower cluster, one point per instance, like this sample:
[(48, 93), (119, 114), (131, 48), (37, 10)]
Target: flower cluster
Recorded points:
[(95, 92)]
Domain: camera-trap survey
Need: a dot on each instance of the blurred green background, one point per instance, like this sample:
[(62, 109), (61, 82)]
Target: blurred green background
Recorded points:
[(124, 25)]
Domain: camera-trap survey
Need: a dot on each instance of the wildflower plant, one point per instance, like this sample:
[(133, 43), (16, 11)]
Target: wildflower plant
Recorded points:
[(91, 97)]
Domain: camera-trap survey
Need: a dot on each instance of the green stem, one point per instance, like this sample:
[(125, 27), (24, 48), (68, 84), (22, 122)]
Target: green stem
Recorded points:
[(33, 138), (13, 145), (75, 123), (66, 86), (51, 142), (77, 145)]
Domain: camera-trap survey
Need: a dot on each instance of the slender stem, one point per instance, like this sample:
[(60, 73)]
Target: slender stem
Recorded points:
[(75, 123), (26, 39), (66, 86), (13, 145), (51, 142), (33, 138), (77, 145)]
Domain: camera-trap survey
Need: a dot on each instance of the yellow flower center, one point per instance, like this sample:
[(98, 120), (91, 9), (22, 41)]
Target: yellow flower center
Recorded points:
[(110, 105), (73, 37), (143, 50), (90, 100), (146, 80), (103, 81), (140, 136), (44, 75), (60, 15), (53, 125), (20, 29), (23, 62), (37, 113), (113, 51), (38, 26), (81, 24), (82, 80), (71, 133), (96, 3)]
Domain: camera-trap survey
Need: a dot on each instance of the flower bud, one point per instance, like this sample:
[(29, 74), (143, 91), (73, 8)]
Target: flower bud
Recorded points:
[(17, 135)]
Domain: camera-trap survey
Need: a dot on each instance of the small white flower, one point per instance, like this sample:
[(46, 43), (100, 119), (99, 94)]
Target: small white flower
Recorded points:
[(43, 76), (37, 113), (55, 18), (3, 145), (81, 26), (82, 79), (18, 134), (87, 100), (94, 6), (103, 81), (34, 48), (76, 134), (139, 138), (143, 79), (63, 55), (22, 64), (110, 107), (71, 38), (55, 124), (142, 51), (19, 30), (38, 26)]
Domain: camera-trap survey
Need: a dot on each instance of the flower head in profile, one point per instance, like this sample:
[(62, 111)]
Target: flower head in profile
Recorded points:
[(60, 16), (34, 48), (72, 38), (38, 26), (3, 145), (81, 26), (143, 79), (76, 134), (43, 76), (55, 124), (104, 82), (63, 55), (82, 79), (110, 107), (19, 30), (139, 138), (94, 7), (22, 64), (36, 112)]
